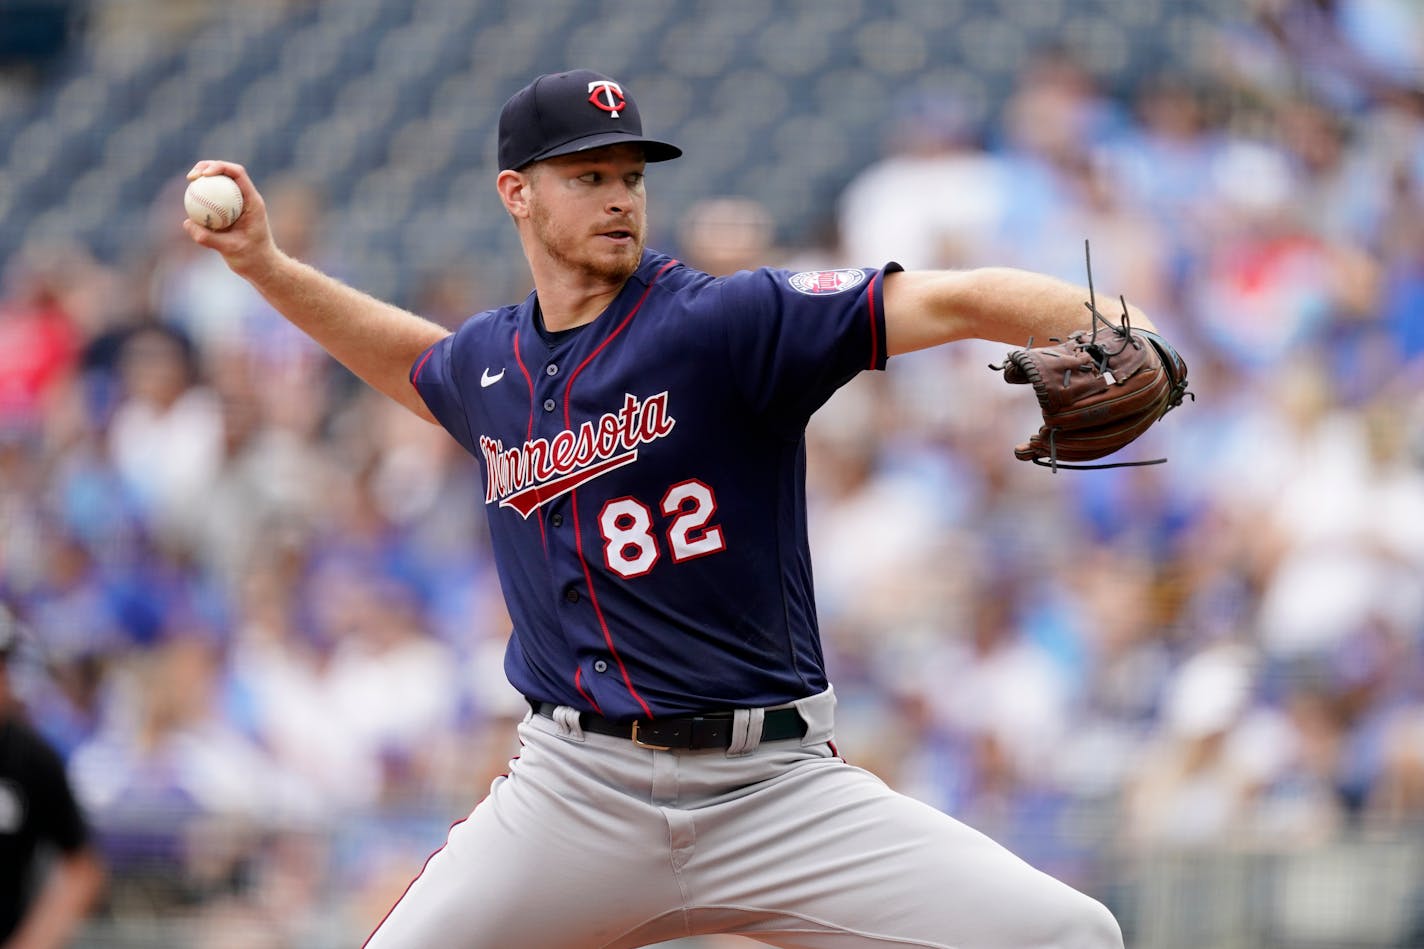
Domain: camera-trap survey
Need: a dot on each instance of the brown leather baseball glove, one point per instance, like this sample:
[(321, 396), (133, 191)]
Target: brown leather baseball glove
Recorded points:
[(1098, 391)]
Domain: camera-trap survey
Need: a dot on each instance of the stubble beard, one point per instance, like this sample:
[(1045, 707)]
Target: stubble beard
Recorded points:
[(564, 249)]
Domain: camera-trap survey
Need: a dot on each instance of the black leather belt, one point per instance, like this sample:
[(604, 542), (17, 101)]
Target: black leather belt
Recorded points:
[(691, 732)]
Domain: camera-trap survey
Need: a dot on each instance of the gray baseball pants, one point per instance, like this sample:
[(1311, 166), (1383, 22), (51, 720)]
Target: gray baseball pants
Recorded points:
[(591, 842)]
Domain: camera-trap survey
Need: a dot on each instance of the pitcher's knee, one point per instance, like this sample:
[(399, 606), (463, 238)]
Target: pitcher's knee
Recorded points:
[(1094, 927)]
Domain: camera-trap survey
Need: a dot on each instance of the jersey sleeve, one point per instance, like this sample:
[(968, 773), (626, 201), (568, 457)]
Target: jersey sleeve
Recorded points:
[(434, 379), (794, 338)]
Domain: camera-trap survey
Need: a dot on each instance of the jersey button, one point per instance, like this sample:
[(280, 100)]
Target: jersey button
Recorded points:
[(557, 520), (551, 370), (600, 666), (571, 595), (548, 405)]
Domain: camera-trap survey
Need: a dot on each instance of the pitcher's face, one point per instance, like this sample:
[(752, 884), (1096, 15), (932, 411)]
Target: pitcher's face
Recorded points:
[(589, 210)]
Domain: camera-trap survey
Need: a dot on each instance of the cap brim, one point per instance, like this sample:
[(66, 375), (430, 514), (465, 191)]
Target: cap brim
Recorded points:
[(653, 150)]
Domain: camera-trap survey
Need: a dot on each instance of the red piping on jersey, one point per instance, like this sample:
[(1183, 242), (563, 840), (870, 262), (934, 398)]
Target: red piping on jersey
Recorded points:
[(412, 883), (578, 531), (626, 320), (529, 432), (578, 684), (874, 335), (519, 361), (421, 365)]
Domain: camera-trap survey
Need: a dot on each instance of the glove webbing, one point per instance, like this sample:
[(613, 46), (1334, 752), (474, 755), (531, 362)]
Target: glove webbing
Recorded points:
[(1100, 356)]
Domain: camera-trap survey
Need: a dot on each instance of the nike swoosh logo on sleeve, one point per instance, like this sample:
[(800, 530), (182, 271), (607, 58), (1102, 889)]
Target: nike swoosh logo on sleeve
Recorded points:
[(487, 380)]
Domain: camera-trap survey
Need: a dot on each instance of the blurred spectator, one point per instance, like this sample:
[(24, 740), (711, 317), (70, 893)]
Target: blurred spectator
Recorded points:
[(1340, 557), (335, 668), (218, 311), (277, 688), (1302, 797), (1126, 629), (1194, 786), (1402, 236), (166, 435), (1268, 285), (1373, 680), (935, 200), (50, 875), (876, 529), (725, 235), (39, 336), (450, 295), (391, 683), (998, 691), (181, 798), (1054, 118), (21, 488), (272, 479), (1341, 190), (1162, 165), (1397, 798), (79, 626), (1349, 51), (1131, 256), (1164, 156), (420, 483), (166, 749)]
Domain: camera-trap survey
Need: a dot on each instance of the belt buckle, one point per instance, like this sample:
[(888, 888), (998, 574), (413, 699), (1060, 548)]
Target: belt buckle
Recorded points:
[(642, 744)]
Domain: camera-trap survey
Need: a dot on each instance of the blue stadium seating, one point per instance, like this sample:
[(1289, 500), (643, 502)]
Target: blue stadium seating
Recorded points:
[(393, 104)]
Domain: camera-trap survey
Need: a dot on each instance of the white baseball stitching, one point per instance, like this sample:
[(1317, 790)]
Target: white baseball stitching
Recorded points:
[(217, 209)]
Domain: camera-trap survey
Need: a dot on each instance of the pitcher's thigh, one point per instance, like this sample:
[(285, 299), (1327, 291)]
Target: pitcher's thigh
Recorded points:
[(849, 863), (503, 879)]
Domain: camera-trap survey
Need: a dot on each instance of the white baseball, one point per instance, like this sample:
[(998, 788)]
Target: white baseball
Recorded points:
[(214, 201)]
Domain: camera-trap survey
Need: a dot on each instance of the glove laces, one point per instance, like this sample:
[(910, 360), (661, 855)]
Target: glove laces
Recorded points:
[(1100, 356)]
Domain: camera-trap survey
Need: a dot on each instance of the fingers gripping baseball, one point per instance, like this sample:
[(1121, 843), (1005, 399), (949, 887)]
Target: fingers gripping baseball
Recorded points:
[(247, 241)]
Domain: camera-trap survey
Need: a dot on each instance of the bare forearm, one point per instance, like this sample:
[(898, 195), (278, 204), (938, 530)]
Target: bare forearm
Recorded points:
[(375, 340), (1008, 305), (68, 896), (995, 303)]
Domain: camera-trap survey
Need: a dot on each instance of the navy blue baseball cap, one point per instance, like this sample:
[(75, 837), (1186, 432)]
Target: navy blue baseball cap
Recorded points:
[(562, 113)]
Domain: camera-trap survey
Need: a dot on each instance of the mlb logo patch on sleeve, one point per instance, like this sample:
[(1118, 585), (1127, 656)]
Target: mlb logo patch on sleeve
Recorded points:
[(820, 282)]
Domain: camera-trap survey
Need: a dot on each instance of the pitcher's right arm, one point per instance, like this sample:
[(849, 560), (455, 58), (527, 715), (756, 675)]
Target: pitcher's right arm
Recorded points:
[(376, 340)]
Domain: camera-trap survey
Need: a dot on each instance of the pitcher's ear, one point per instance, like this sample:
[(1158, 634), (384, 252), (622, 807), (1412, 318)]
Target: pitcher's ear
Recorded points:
[(514, 192)]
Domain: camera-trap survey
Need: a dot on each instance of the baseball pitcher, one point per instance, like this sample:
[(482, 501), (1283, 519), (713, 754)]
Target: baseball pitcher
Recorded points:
[(639, 428)]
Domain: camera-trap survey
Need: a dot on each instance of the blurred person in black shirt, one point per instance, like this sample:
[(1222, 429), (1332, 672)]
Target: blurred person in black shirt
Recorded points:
[(43, 899)]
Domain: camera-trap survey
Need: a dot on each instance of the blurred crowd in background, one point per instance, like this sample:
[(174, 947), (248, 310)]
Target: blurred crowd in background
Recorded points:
[(264, 631)]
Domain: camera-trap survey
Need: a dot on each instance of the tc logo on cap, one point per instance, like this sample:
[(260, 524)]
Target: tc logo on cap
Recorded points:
[(607, 95), (551, 117)]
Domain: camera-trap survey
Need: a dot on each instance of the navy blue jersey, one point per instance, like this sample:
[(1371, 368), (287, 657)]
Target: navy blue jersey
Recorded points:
[(644, 480)]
